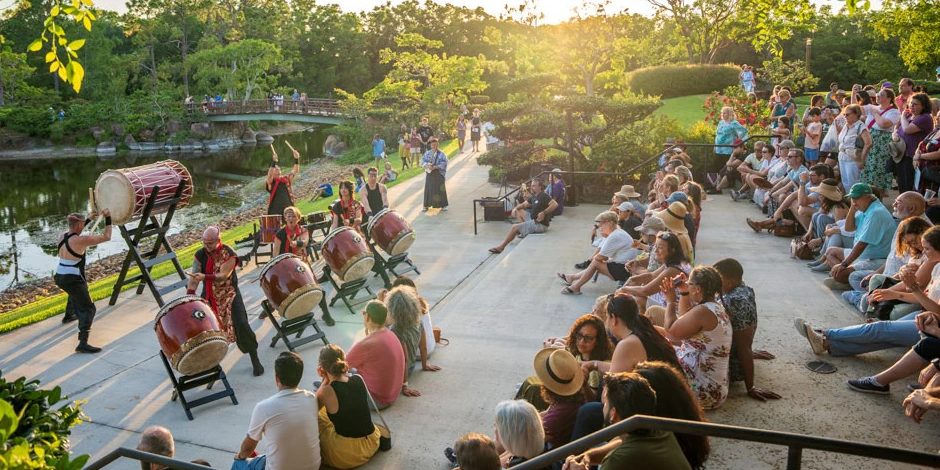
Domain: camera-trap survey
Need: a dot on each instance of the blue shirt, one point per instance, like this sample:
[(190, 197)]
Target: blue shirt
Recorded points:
[(438, 159), (794, 175), (875, 227), (726, 133), (557, 191), (378, 146)]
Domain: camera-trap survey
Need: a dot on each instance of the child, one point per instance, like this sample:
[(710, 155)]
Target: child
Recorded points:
[(389, 175), (404, 151), (741, 306), (813, 132), (781, 132)]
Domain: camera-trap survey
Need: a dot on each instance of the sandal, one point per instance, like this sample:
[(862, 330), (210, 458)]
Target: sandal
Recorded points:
[(570, 291), (495, 251), (564, 278)]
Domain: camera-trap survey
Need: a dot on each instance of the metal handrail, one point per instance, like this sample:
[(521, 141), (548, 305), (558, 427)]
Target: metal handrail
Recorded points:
[(795, 443), (141, 456), (704, 169)]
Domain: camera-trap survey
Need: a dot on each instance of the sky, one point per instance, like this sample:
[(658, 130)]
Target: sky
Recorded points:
[(555, 11)]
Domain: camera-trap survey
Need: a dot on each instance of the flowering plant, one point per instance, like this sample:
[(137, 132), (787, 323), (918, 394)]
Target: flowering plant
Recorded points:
[(751, 112)]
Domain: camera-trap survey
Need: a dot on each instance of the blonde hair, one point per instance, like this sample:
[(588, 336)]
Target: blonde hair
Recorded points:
[(519, 428), (600, 307), (293, 209), (404, 306), (730, 110), (608, 216)]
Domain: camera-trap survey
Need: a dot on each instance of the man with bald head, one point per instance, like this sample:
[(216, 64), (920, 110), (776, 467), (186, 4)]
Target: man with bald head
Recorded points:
[(156, 440), (214, 267)]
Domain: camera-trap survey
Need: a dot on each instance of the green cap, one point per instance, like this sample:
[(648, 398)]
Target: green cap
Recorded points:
[(377, 312), (859, 190)]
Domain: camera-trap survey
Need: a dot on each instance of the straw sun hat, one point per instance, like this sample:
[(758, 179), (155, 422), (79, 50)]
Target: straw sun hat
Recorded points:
[(674, 217), (559, 371)]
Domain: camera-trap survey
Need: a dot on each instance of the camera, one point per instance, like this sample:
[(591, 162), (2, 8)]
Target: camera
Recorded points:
[(678, 280)]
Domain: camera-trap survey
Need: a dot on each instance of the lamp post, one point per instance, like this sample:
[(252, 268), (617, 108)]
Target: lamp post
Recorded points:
[(809, 52)]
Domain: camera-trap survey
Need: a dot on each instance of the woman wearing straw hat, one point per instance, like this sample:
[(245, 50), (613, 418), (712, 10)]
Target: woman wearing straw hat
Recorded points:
[(562, 380), (674, 217)]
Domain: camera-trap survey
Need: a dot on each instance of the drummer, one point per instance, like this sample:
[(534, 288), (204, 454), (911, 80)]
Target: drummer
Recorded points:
[(70, 274), (214, 266), (292, 237), (279, 186), (374, 195), (347, 211)]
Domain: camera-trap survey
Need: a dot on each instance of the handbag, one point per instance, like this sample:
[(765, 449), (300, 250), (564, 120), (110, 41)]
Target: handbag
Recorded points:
[(801, 250), (800, 140), (385, 434), (931, 174), (784, 230), (897, 149), (859, 143)]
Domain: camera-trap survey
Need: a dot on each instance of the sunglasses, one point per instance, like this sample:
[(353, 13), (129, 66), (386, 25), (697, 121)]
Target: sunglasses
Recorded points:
[(585, 338)]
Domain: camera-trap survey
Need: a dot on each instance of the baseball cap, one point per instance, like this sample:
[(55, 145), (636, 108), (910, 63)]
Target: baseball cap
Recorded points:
[(859, 190), (678, 196)]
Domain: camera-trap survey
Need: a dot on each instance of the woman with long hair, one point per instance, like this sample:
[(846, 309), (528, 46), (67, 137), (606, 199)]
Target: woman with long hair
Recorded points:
[(674, 399), (461, 132), (347, 211), (699, 324), (348, 438), (916, 123), (669, 253), (852, 159), (884, 119)]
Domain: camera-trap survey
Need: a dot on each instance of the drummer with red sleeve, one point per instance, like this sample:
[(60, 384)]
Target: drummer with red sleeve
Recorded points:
[(292, 237), (280, 186), (347, 211), (214, 266)]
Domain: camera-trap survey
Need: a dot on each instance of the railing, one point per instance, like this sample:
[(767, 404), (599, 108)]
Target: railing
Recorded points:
[(312, 107), (795, 443), (704, 167), (146, 457)]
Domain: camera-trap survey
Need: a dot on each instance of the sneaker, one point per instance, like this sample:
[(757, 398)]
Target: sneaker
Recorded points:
[(735, 195), (712, 191), (424, 210), (867, 385), (444, 208), (583, 265), (853, 297), (816, 339), (451, 456), (836, 285), (821, 268)]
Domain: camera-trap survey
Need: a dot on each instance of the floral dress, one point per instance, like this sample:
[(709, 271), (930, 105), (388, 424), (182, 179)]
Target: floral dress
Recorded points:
[(704, 359), (876, 171)]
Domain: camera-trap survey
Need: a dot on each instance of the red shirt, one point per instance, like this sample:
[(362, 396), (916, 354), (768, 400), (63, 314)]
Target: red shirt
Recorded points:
[(380, 360)]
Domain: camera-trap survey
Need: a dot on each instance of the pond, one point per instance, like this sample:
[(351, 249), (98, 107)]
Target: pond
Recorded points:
[(36, 195)]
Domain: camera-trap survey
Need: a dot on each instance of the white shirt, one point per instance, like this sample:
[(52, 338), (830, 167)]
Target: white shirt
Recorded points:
[(288, 422), (617, 247)]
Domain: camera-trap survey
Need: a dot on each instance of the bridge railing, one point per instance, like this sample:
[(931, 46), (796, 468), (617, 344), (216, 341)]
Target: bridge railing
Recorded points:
[(311, 107)]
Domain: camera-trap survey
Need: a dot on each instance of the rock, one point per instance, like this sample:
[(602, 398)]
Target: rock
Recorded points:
[(191, 145), (334, 147), (201, 129), (147, 135), (172, 127), (131, 142), (151, 146), (249, 137), (117, 130), (106, 148), (264, 138), (98, 133)]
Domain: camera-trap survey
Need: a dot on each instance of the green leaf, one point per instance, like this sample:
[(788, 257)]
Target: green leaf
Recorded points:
[(87, 23), (8, 420), (76, 45), (79, 462), (78, 74), (50, 56), (91, 15), (35, 46), (54, 11), (88, 3)]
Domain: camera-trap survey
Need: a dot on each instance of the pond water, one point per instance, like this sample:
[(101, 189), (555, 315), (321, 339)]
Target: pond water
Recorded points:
[(36, 196)]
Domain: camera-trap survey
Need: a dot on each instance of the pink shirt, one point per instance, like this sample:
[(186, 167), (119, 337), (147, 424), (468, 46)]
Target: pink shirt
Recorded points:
[(380, 360)]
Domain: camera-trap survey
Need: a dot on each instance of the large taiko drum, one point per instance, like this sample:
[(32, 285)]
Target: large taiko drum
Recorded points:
[(391, 232), (125, 191), (190, 335), (290, 286), (347, 254), (270, 224)]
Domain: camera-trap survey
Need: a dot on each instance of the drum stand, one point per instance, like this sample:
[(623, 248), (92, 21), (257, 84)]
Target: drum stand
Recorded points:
[(295, 325), (144, 230), (348, 291), (382, 265), (189, 382)]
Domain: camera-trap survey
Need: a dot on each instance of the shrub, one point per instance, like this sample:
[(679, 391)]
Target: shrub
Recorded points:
[(670, 81), (33, 121), (479, 99), (755, 116), (792, 73)]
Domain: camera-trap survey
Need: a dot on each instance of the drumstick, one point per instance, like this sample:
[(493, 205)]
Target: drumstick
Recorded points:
[(289, 146), (98, 221), (91, 199)]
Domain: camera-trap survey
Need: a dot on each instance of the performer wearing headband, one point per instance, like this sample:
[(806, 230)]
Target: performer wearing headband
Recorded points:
[(70, 274), (374, 195), (280, 186), (215, 267), (347, 212), (294, 238)]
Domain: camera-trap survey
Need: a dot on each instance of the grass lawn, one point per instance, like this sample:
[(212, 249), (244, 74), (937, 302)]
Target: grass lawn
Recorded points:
[(686, 109), (55, 305)]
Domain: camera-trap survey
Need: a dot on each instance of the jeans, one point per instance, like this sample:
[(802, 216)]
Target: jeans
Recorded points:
[(820, 221), (256, 463), (870, 337), (855, 279)]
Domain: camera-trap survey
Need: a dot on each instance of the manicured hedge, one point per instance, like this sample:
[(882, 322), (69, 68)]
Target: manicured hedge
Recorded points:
[(671, 81)]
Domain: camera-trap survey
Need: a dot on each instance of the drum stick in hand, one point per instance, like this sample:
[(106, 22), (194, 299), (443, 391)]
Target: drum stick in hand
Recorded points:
[(91, 199), (291, 147), (98, 221)]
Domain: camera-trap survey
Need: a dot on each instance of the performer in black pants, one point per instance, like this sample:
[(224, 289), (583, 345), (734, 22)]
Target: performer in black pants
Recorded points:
[(215, 267), (70, 275)]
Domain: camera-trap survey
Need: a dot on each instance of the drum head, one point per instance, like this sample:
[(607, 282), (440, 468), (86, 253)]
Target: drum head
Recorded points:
[(114, 191), (172, 304), (301, 302), (359, 268), (378, 215), (201, 353), (274, 261), (401, 243), (334, 233)]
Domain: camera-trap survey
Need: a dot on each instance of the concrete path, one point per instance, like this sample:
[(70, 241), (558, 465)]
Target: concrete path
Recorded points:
[(496, 310)]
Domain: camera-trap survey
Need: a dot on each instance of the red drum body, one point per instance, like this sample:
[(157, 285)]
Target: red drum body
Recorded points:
[(347, 254), (190, 335), (391, 232), (125, 191), (290, 286), (270, 224)]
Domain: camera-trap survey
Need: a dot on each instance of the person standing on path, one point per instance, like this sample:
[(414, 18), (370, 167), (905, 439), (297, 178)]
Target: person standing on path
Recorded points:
[(461, 132), (475, 130), (425, 132), (378, 150), (434, 163), (70, 275)]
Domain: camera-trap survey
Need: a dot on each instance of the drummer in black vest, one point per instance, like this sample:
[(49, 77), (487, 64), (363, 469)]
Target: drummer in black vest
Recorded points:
[(374, 195), (214, 266), (279, 186), (70, 275), (293, 238)]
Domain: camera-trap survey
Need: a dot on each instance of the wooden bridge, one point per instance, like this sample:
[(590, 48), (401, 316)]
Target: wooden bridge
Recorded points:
[(314, 111)]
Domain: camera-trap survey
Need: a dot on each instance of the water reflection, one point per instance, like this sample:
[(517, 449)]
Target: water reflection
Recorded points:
[(36, 195)]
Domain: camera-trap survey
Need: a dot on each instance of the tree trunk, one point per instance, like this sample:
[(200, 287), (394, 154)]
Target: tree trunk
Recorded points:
[(55, 81), (184, 51), (589, 84), (153, 65), (1, 81)]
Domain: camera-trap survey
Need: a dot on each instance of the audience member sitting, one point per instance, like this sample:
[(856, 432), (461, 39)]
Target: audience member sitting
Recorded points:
[(475, 452), (404, 310), (616, 250), (741, 306), (644, 263), (925, 353), (429, 341), (873, 227), (519, 433), (380, 358), (750, 178), (701, 326), (559, 373), (156, 440), (825, 228), (671, 260), (750, 166), (629, 219), (348, 438), (541, 206), (688, 220), (674, 399), (627, 394), (885, 297), (287, 422), (729, 173), (677, 219), (800, 203), (920, 402), (628, 194), (694, 205), (684, 174)]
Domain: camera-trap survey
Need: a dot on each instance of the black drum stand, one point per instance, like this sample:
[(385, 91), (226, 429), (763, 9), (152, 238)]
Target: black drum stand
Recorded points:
[(295, 326), (188, 382), (385, 266)]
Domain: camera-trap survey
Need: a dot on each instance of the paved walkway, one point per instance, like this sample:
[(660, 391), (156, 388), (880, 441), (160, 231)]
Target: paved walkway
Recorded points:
[(495, 309)]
